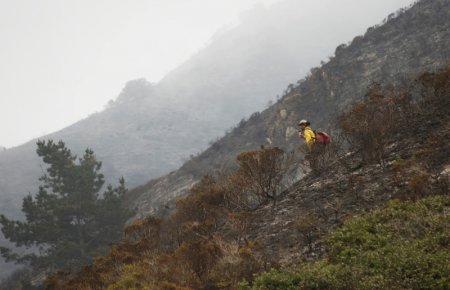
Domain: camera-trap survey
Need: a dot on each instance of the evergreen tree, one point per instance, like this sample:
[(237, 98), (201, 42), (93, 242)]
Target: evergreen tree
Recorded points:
[(68, 221)]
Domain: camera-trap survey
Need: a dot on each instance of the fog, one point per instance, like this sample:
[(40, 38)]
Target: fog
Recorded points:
[(63, 60)]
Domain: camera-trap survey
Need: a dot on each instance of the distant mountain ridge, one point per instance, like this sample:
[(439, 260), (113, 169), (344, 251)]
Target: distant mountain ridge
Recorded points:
[(415, 41)]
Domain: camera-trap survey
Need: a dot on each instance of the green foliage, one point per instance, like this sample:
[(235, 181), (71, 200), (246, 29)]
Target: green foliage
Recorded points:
[(68, 219), (405, 246), (320, 275), (274, 280)]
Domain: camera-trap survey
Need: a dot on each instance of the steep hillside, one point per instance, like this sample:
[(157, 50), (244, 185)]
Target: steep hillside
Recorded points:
[(152, 129), (409, 254), (417, 40), (235, 225)]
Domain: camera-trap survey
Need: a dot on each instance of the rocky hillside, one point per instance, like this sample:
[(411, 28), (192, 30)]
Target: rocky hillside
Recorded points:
[(393, 53), (233, 226), (152, 129), (346, 191), (415, 164)]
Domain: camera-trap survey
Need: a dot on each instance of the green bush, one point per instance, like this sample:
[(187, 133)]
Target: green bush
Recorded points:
[(405, 246), (274, 280)]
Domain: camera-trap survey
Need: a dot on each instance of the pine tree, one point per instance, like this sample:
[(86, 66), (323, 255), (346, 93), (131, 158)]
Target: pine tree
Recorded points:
[(68, 221)]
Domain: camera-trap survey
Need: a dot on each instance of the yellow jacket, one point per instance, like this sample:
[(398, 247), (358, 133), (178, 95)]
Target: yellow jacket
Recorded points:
[(310, 137)]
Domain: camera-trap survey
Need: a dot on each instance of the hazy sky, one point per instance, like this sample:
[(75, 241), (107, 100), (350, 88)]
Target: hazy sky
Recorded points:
[(61, 60)]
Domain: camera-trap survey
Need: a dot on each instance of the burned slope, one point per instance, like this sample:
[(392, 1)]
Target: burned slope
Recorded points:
[(415, 164), (231, 227), (414, 41)]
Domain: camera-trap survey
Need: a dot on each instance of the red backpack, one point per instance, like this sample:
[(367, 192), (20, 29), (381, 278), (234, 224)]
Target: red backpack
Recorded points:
[(322, 138)]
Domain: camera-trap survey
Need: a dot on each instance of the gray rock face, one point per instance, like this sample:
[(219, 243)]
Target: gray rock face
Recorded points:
[(415, 41)]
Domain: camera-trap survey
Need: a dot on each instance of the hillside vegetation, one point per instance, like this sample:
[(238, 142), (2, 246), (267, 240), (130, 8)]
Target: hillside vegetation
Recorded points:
[(404, 246), (150, 129), (407, 43), (238, 224), (393, 53)]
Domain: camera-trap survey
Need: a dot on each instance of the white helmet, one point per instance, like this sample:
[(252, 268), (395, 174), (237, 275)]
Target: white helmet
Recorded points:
[(303, 122)]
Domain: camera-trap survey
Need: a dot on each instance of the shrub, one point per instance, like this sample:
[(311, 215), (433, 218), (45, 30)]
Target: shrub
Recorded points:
[(370, 125), (130, 278), (405, 246), (274, 280), (307, 226), (261, 173)]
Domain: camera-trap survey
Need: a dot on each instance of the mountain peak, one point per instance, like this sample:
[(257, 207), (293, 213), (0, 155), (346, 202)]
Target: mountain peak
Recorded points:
[(135, 90)]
